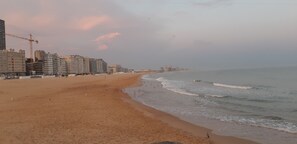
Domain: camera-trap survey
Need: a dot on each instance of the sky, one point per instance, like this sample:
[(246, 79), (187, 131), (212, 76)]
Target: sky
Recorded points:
[(196, 34)]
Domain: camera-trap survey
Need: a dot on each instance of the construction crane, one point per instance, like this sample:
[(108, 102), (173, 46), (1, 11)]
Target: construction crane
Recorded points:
[(31, 40)]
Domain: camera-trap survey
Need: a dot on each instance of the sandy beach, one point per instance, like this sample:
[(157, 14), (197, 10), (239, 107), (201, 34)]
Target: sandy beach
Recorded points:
[(88, 109)]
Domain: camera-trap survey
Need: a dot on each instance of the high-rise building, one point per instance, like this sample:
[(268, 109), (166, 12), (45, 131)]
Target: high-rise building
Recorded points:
[(55, 63), (2, 35), (115, 68), (97, 66), (86, 65), (62, 67), (59, 65), (48, 64), (72, 64), (12, 63), (80, 63), (93, 66), (77, 64), (29, 66), (101, 66), (104, 66), (38, 67), (39, 55)]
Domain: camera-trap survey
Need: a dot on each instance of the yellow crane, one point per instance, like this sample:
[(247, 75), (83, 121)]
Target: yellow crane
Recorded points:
[(31, 40)]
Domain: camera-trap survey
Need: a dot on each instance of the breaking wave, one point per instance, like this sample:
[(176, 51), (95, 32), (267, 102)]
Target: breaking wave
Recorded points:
[(173, 86), (232, 86), (216, 96), (270, 122), (147, 77)]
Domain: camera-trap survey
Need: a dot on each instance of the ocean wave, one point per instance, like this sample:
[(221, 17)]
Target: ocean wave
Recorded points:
[(216, 96), (260, 100), (232, 86), (273, 117), (223, 85), (147, 77), (167, 84), (270, 122)]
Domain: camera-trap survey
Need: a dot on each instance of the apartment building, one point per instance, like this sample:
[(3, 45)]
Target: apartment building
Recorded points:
[(86, 65), (39, 55), (12, 63), (101, 66), (48, 68), (71, 64), (62, 67)]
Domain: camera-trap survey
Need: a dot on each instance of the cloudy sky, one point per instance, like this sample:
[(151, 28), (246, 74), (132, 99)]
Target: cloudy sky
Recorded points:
[(199, 34)]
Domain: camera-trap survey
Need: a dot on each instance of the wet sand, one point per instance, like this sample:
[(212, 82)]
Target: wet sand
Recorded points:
[(88, 109)]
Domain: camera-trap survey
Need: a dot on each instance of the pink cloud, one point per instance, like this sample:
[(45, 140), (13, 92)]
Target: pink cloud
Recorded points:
[(88, 23), (102, 47), (106, 39)]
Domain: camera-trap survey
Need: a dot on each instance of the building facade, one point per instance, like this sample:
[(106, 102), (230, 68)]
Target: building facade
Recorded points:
[(62, 67), (115, 68), (71, 64), (104, 66), (12, 63), (55, 63), (77, 64), (2, 35), (39, 55), (93, 66), (97, 66), (101, 66), (48, 64), (38, 67), (80, 62), (29, 66), (86, 65)]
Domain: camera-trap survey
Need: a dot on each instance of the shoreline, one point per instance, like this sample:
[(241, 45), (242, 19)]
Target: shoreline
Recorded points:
[(83, 109), (177, 123), (87, 109), (172, 93)]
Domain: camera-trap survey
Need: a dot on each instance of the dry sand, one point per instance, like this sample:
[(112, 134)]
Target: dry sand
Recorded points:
[(89, 109)]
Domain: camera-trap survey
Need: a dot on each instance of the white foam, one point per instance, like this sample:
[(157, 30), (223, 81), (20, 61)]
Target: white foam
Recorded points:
[(146, 77), (232, 86), (169, 86), (271, 124), (216, 96)]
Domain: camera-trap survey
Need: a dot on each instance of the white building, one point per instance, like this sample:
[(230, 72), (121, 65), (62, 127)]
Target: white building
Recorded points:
[(71, 64), (86, 65), (62, 67), (80, 63), (48, 64), (115, 68)]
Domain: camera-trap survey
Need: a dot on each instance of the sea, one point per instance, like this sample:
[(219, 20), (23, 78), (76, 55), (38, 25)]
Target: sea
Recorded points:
[(256, 104)]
